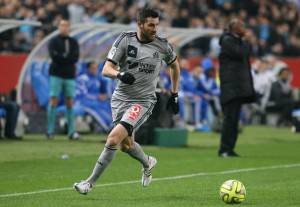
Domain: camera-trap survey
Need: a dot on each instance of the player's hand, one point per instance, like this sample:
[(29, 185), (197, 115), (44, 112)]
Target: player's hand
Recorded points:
[(126, 77), (173, 104)]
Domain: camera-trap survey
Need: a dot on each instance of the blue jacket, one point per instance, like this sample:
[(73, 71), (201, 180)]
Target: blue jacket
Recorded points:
[(89, 87), (208, 85)]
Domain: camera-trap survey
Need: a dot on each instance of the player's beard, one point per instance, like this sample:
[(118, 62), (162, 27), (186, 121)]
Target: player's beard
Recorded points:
[(147, 36)]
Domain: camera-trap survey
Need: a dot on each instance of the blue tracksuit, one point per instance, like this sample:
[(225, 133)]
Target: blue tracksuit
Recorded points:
[(88, 89), (208, 85)]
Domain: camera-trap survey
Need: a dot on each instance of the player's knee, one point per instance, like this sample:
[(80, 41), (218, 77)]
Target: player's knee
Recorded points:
[(112, 142), (69, 102), (114, 139), (117, 136), (69, 105), (53, 101)]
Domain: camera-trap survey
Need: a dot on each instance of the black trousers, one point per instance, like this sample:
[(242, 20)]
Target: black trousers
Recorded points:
[(229, 132), (285, 108), (12, 111)]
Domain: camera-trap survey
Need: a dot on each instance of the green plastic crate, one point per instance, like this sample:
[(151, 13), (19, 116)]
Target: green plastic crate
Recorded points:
[(170, 137)]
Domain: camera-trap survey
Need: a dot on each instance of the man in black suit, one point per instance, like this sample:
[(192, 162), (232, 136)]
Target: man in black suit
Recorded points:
[(236, 82)]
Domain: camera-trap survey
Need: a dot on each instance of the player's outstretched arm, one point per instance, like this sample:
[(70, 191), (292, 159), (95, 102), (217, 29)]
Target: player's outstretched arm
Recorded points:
[(175, 75), (173, 104), (111, 70)]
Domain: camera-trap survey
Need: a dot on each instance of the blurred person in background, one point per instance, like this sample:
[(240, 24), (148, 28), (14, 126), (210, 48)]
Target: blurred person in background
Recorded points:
[(186, 90), (210, 90), (10, 110), (281, 98), (76, 11), (263, 76), (198, 102), (236, 82), (64, 53), (91, 95)]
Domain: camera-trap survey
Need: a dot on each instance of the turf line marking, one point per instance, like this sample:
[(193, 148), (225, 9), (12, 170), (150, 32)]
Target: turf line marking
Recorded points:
[(159, 179)]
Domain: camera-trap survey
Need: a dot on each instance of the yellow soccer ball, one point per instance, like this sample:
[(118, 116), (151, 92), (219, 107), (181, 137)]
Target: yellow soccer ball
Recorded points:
[(232, 191)]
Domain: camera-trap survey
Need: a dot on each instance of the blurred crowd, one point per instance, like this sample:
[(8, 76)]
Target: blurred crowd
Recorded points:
[(276, 99), (275, 24), (199, 95), (275, 28)]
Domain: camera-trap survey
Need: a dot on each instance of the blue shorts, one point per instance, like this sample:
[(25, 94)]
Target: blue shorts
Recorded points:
[(58, 85)]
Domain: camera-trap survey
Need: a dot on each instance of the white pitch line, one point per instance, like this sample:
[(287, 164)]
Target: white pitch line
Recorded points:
[(159, 179)]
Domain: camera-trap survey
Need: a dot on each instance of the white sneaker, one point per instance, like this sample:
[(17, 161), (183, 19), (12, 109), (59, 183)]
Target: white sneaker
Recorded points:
[(146, 172), (74, 136), (83, 187)]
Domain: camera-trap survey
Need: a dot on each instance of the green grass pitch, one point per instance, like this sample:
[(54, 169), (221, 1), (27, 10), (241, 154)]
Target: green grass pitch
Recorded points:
[(32, 173)]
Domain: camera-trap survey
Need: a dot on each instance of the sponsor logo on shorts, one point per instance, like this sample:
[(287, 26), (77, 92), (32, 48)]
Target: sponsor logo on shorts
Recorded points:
[(134, 111)]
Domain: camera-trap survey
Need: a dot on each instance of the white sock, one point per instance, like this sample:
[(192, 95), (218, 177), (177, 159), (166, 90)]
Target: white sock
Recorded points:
[(137, 153), (103, 161)]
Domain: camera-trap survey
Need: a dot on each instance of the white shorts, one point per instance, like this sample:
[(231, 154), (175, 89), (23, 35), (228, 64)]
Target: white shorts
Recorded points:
[(133, 113)]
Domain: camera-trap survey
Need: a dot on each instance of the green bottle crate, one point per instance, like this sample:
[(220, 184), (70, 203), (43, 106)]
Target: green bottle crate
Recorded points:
[(170, 137)]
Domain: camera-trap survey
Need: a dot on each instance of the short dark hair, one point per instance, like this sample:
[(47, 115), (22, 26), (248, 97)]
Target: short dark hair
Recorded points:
[(64, 20), (232, 23), (281, 70), (145, 13)]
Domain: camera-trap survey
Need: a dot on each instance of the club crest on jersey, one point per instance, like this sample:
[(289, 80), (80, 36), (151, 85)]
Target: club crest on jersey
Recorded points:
[(156, 55), (132, 51)]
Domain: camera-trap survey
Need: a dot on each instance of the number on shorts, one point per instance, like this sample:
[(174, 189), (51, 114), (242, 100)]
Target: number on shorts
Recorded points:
[(134, 111)]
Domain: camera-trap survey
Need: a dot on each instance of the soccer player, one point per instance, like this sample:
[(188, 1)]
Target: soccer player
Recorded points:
[(135, 59), (64, 53)]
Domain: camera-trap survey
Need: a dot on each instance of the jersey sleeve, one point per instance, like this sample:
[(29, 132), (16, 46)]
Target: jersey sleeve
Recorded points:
[(118, 49), (170, 55)]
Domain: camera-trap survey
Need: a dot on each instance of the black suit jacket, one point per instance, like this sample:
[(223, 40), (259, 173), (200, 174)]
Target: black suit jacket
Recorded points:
[(235, 75)]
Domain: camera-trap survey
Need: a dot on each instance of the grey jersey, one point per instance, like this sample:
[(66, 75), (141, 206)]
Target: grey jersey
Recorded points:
[(144, 61)]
